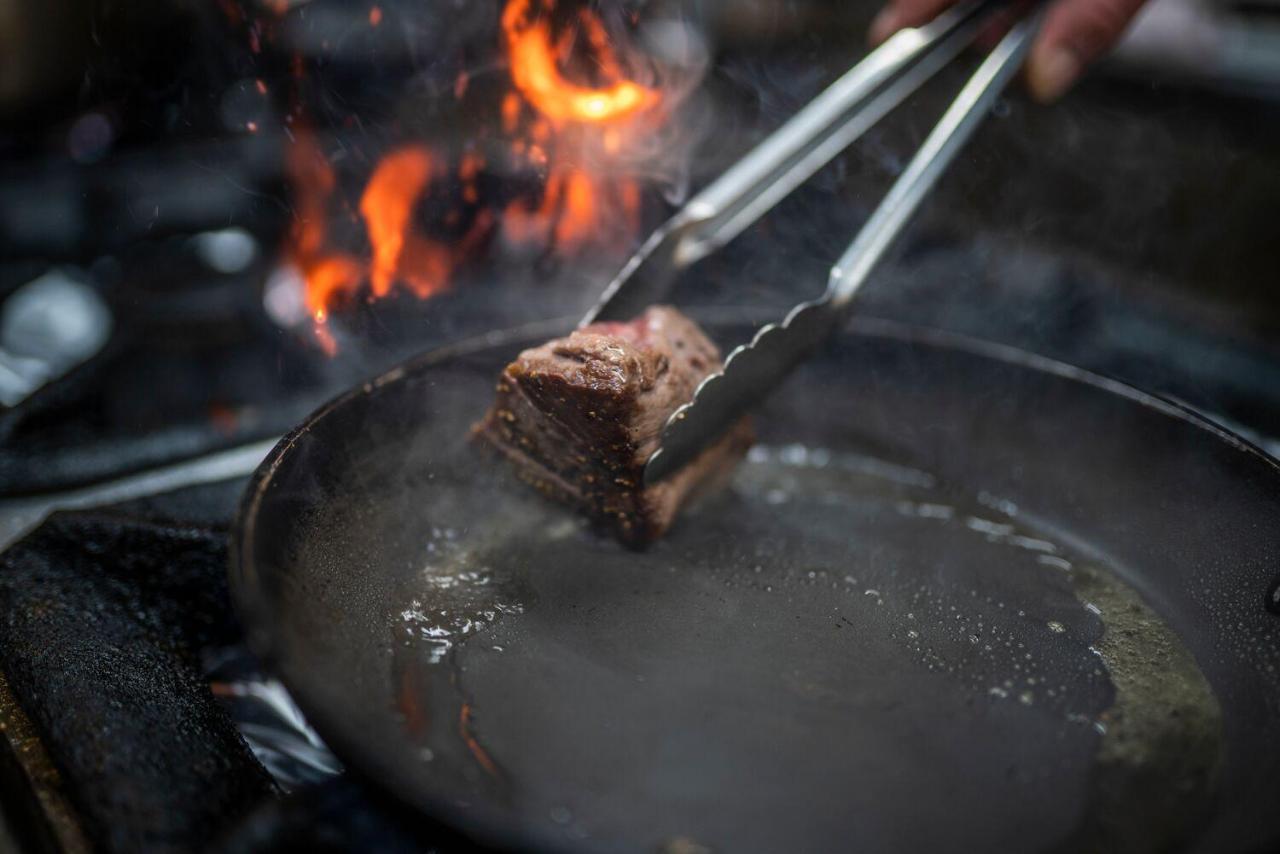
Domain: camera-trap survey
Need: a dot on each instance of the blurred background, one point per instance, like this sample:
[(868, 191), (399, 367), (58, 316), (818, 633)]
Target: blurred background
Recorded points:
[(216, 214)]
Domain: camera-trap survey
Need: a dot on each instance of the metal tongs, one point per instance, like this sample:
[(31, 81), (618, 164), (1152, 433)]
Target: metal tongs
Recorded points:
[(775, 168)]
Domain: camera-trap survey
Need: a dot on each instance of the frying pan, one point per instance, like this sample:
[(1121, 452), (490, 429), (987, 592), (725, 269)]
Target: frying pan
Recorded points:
[(959, 598)]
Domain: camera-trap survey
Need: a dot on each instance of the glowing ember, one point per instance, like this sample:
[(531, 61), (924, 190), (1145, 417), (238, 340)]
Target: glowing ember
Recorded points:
[(328, 277)]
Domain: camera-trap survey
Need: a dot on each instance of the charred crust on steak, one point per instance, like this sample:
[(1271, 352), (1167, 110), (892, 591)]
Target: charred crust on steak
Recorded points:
[(578, 418)]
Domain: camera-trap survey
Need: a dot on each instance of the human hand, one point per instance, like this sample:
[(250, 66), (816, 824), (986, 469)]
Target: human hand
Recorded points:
[(1075, 33)]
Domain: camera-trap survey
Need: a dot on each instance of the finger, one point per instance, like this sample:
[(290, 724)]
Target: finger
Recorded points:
[(903, 13), (1075, 33), (913, 13)]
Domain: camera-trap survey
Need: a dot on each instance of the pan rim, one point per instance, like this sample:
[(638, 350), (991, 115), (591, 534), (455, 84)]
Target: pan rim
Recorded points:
[(481, 824)]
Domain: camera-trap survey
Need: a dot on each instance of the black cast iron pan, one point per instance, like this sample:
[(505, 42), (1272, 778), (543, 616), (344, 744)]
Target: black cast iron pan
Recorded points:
[(960, 599)]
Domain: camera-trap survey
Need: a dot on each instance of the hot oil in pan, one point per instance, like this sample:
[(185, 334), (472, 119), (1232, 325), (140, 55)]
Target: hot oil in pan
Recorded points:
[(830, 620)]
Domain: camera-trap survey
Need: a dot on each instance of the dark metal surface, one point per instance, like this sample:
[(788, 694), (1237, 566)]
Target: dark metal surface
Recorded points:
[(340, 815), (105, 616), (963, 598), (36, 808)]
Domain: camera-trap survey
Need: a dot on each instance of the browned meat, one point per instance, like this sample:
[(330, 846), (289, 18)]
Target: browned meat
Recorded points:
[(579, 416)]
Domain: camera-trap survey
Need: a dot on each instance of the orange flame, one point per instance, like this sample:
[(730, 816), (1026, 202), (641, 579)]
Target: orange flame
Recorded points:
[(574, 132), (326, 274), (387, 206), (534, 71), (570, 214), (574, 124), (398, 253)]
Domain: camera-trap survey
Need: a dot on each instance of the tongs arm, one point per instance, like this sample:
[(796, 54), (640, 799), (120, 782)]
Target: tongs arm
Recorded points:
[(937, 152), (790, 156), (754, 369)]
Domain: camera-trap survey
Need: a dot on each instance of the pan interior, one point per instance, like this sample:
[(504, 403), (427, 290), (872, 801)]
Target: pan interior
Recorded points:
[(839, 652)]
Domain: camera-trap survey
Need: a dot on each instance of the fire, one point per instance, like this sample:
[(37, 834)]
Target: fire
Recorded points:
[(569, 215), (387, 206), (575, 126), (398, 254), (572, 115), (326, 274), (533, 54)]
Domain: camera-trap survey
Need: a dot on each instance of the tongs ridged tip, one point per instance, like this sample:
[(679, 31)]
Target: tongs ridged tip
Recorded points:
[(718, 401)]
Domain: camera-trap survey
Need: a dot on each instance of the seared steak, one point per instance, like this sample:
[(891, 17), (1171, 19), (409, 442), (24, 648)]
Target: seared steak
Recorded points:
[(579, 417)]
